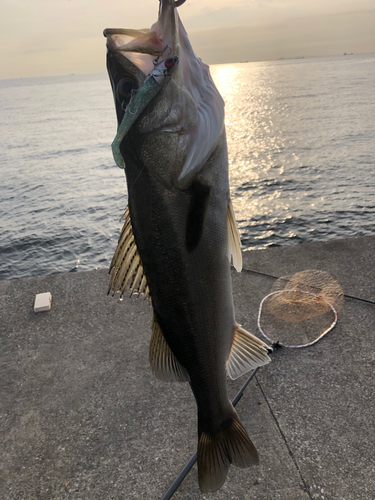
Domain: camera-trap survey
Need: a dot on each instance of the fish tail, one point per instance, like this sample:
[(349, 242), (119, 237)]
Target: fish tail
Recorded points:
[(230, 445)]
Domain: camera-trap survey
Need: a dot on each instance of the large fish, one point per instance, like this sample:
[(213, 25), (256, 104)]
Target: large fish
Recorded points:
[(180, 234)]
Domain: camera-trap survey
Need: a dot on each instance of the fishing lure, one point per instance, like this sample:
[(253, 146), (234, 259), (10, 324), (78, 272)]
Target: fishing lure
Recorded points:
[(159, 78)]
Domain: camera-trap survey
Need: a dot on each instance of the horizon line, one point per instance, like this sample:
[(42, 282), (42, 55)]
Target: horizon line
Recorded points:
[(214, 64)]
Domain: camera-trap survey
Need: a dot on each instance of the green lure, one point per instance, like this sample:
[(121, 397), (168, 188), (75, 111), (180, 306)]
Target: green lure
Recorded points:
[(153, 84)]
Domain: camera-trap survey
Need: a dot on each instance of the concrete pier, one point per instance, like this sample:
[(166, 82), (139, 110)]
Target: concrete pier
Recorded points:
[(83, 418)]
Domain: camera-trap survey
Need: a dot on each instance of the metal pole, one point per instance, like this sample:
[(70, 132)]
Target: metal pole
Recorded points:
[(185, 471)]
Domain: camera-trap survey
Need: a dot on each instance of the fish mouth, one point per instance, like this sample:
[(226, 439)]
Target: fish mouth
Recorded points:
[(133, 54), (146, 47), (199, 109), (125, 78)]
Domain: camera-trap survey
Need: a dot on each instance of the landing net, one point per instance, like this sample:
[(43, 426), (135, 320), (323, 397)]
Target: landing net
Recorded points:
[(300, 309)]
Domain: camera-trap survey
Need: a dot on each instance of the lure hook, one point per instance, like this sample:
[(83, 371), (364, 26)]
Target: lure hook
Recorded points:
[(165, 47)]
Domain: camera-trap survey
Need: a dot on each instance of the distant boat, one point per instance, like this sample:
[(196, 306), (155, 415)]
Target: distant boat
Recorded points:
[(289, 58)]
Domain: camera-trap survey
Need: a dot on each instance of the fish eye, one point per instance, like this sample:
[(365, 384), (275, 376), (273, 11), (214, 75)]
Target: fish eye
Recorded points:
[(124, 89), (169, 63)]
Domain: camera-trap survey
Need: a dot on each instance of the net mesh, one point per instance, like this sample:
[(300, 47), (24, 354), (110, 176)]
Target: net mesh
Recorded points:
[(301, 307)]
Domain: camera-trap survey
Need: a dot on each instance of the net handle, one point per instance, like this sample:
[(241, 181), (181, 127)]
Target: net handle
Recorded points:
[(333, 324)]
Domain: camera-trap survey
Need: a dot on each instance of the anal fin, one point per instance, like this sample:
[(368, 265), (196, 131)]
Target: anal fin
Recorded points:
[(163, 362), (247, 353), (126, 265)]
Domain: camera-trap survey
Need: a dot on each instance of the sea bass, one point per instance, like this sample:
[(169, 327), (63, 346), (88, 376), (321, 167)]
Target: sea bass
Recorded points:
[(180, 234)]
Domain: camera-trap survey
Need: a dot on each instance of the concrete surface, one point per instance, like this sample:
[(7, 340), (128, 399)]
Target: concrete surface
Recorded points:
[(83, 418), (350, 261)]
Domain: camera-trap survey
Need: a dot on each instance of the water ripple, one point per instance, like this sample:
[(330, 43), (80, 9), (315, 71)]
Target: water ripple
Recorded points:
[(301, 156)]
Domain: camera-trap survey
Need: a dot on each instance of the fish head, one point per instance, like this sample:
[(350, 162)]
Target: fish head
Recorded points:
[(187, 115)]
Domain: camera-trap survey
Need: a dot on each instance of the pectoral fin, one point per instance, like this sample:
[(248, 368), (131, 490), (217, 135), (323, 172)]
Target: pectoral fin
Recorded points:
[(247, 353), (126, 265), (234, 240), (163, 362), (200, 197)]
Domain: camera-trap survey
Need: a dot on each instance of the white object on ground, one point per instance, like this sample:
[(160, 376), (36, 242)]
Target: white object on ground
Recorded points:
[(42, 302)]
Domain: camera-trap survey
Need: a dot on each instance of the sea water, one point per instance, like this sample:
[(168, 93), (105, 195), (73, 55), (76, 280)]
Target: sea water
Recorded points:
[(301, 142)]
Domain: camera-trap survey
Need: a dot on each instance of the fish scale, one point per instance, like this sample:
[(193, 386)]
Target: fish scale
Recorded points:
[(176, 165)]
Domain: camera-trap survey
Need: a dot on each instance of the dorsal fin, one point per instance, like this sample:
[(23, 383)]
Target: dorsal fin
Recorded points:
[(163, 362), (126, 265), (234, 240), (247, 353)]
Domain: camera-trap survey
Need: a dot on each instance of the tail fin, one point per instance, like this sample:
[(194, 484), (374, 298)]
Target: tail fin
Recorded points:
[(230, 445)]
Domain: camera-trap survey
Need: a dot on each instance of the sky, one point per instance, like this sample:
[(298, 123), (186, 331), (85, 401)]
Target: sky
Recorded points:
[(57, 37)]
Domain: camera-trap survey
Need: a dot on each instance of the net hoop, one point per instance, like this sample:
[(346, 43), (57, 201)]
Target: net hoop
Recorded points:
[(333, 324)]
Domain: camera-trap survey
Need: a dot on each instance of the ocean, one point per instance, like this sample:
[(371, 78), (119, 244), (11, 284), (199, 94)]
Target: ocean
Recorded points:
[(301, 140)]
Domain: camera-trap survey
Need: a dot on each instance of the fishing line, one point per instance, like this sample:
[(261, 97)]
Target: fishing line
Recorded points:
[(131, 187), (347, 296)]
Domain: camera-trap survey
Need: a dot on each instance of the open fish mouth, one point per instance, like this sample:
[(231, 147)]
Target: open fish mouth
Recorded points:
[(135, 54), (146, 47)]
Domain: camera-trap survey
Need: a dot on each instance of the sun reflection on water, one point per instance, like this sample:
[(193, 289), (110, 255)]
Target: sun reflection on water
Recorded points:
[(253, 123)]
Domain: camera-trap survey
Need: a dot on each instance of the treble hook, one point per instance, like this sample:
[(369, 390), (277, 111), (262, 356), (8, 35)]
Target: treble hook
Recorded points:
[(126, 108), (165, 47)]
